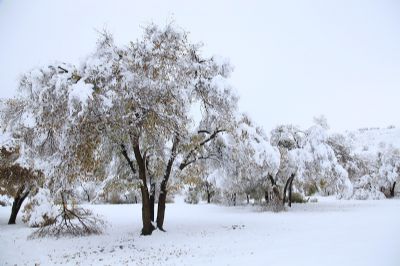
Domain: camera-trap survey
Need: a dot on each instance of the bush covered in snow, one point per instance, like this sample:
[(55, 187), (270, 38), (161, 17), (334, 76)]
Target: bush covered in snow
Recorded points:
[(366, 189), (40, 210)]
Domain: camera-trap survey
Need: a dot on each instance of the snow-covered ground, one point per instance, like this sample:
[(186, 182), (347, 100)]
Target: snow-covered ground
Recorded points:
[(329, 232)]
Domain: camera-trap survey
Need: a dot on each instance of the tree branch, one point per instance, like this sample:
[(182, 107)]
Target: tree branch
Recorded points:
[(271, 179), (187, 160), (63, 69), (203, 131), (125, 154)]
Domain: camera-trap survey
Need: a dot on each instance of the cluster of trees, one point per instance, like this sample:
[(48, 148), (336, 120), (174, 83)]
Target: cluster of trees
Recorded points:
[(296, 164), (139, 122)]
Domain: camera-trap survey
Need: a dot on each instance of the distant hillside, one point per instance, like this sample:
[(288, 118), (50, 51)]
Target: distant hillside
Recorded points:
[(368, 140)]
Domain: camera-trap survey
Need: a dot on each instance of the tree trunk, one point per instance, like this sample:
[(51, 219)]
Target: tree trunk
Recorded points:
[(290, 191), (287, 185), (284, 191), (146, 214), (266, 196), (208, 192), (18, 200), (392, 190), (248, 198), (162, 198), (234, 199)]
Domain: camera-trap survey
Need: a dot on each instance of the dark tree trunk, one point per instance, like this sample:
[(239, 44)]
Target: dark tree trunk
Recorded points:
[(266, 196), (162, 198), (275, 195), (234, 199), (208, 191), (284, 191), (146, 210), (248, 198), (287, 185), (18, 200), (272, 180), (290, 191), (146, 215), (392, 190)]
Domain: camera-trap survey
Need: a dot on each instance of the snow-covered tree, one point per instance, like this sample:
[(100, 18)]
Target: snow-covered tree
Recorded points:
[(308, 162), (287, 138), (248, 160), (16, 181), (179, 78), (45, 120), (388, 174), (343, 148), (317, 163), (130, 106)]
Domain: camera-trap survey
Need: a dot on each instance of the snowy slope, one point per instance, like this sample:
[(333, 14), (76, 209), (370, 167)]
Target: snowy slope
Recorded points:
[(369, 140)]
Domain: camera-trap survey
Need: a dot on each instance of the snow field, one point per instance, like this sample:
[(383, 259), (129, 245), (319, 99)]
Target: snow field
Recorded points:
[(329, 232)]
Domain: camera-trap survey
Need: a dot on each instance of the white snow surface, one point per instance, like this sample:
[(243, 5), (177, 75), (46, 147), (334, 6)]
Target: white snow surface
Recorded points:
[(330, 232)]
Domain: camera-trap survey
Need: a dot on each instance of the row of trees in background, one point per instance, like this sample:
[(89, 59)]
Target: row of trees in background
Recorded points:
[(155, 117), (297, 164)]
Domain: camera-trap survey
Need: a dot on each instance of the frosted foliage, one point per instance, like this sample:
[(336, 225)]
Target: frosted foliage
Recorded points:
[(315, 162), (248, 159), (7, 141), (365, 188), (257, 144), (157, 80), (79, 95), (41, 116), (329, 166), (389, 165), (40, 209)]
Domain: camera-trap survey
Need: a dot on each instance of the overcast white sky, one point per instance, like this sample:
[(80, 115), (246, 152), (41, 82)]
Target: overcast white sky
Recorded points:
[(293, 59)]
